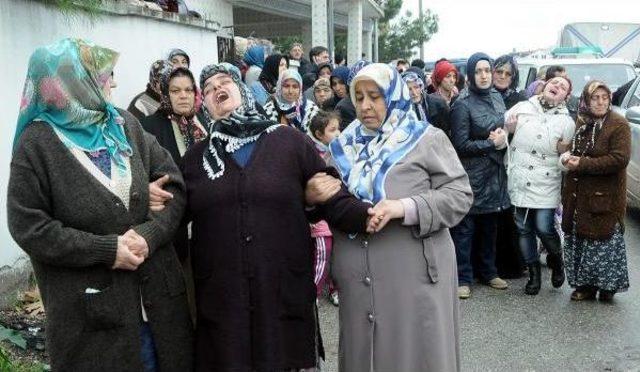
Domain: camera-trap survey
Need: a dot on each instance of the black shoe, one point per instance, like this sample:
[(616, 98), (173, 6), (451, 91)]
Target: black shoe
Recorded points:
[(533, 285), (605, 296), (554, 262)]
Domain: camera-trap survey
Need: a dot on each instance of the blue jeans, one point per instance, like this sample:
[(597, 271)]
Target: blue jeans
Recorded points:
[(540, 222), (462, 235), (148, 351)]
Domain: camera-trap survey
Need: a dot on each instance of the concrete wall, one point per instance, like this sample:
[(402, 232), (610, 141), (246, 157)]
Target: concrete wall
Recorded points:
[(140, 37)]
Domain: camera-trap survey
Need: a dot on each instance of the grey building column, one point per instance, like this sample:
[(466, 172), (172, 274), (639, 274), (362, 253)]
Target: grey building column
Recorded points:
[(376, 31), (354, 34), (319, 25), (367, 45), (306, 39)]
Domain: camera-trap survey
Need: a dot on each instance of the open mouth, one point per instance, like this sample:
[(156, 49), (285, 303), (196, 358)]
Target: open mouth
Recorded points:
[(221, 97)]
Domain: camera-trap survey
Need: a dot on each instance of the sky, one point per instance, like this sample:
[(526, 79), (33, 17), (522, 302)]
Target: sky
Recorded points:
[(497, 27)]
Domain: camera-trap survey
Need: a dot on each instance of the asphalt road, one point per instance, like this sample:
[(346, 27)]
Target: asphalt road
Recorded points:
[(510, 331)]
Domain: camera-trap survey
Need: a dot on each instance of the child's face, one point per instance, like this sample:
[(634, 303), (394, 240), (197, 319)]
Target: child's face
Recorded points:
[(330, 132)]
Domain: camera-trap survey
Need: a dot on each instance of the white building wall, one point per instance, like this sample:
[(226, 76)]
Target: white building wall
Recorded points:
[(25, 25)]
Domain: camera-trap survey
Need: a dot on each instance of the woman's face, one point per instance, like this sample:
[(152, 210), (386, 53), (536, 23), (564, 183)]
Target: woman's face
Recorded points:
[(179, 61), (502, 77), (322, 95), (339, 87), (290, 90), (556, 90), (324, 72), (449, 81), (415, 92), (370, 106), (182, 95), (599, 102), (282, 66), (107, 87), (221, 96), (483, 75)]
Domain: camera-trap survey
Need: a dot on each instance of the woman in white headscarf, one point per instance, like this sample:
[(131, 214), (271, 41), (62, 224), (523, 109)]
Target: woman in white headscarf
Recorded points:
[(289, 106), (398, 299)]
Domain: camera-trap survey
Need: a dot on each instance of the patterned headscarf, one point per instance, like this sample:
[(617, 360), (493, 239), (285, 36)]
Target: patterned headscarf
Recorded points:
[(179, 52), (191, 132), (363, 156), (354, 69), (412, 77), (420, 107), (158, 69), (589, 126), (64, 88), (243, 126), (295, 112)]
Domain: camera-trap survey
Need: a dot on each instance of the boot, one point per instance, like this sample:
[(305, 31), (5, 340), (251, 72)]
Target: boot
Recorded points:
[(533, 285), (554, 262)]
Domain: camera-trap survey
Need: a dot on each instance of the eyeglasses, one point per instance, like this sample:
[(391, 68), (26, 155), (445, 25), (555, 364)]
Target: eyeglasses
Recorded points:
[(503, 72)]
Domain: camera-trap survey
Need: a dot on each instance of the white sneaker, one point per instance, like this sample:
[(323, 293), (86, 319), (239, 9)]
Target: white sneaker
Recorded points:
[(464, 292), (333, 298)]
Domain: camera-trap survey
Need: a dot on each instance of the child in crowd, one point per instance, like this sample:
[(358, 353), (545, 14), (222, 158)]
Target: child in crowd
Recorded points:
[(324, 127)]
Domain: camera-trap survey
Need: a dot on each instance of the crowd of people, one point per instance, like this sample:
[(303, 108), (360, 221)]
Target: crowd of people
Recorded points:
[(197, 229)]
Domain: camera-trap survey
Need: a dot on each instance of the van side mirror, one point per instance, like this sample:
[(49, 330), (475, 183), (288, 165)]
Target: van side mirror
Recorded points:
[(633, 114)]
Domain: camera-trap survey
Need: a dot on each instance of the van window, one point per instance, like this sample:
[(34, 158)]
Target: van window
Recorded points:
[(614, 75)]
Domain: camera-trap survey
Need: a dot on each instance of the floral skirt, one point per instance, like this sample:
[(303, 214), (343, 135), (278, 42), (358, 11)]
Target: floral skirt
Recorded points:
[(597, 263)]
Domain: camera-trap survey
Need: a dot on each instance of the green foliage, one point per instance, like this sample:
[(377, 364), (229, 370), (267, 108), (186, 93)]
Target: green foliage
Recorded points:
[(13, 336), (7, 365), (398, 38)]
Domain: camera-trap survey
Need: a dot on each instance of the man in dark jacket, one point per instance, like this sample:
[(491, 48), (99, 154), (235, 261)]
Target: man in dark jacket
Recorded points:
[(478, 137)]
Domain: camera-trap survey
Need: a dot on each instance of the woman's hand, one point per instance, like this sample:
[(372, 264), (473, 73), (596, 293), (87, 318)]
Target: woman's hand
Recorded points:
[(382, 213), (511, 123), (572, 162), (320, 188), (498, 137), (125, 258), (157, 196)]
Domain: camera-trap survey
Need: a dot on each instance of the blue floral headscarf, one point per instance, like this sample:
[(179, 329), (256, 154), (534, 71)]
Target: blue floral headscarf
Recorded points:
[(64, 88), (364, 156)]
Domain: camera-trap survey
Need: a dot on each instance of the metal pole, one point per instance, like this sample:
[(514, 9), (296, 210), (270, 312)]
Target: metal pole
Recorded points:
[(330, 30), (422, 41)]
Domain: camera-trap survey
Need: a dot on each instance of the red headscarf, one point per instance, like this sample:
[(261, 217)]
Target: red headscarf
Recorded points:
[(442, 69)]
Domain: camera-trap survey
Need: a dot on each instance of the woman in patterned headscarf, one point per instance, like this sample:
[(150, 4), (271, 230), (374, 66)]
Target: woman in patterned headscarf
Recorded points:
[(148, 102), (431, 108), (398, 304), (254, 285), (289, 106), (594, 198), (78, 205)]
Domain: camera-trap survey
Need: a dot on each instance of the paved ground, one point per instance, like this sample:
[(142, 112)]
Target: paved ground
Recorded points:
[(510, 331)]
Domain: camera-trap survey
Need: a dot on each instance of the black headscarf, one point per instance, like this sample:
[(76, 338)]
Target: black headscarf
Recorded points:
[(269, 75), (471, 72)]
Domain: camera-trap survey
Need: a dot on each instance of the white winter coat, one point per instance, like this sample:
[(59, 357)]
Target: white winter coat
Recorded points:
[(534, 177)]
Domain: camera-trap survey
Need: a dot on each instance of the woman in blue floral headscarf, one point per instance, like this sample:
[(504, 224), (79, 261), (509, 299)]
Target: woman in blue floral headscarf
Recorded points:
[(78, 206), (398, 303)]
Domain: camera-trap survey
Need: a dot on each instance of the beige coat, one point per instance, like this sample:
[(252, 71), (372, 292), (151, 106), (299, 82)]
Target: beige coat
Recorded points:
[(398, 288)]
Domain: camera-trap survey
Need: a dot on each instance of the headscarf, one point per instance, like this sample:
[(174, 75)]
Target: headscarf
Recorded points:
[(157, 70), (589, 126), (254, 56), (441, 70), (471, 72), (295, 112), (269, 75), (363, 156), (515, 74), (419, 72), (421, 107), (354, 69), (325, 65), (243, 126), (342, 73), (191, 132), (179, 52), (64, 88), (322, 84)]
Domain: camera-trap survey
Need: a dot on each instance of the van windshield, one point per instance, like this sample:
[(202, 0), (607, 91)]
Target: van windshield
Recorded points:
[(614, 75)]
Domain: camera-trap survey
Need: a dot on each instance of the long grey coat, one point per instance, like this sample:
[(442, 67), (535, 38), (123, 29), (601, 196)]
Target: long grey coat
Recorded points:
[(398, 288)]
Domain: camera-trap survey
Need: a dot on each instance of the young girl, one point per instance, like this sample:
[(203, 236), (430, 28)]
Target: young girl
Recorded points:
[(324, 127)]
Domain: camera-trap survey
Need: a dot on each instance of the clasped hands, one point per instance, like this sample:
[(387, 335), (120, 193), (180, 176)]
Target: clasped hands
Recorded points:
[(131, 252), (322, 187), (570, 162)]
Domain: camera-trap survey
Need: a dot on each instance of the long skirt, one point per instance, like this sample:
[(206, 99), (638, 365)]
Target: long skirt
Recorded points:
[(597, 263)]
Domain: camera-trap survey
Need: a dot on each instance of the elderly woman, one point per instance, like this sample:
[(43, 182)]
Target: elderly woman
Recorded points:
[(594, 198), (289, 106), (111, 283), (255, 293), (265, 87), (542, 127), (148, 102), (505, 79), (398, 304), (427, 107), (477, 119), (179, 58), (254, 58)]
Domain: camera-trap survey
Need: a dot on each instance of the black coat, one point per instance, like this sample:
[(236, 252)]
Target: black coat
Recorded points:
[(473, 117), (512, 98), (347, 111), (253, 254), (437, 112)]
